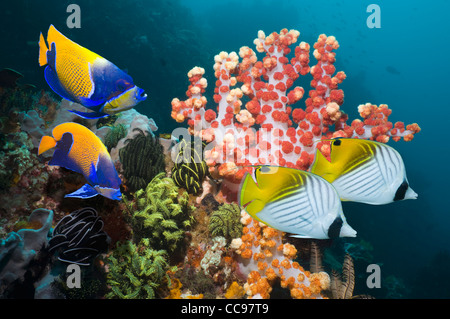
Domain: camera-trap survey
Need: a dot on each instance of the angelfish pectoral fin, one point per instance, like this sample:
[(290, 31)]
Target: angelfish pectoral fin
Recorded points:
[(90, 115), (86, 191)]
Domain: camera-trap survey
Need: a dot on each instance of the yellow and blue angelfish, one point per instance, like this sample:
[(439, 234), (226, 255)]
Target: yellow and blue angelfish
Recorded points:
[(364, 171), (295, 202), (82, 76), (77, 148)]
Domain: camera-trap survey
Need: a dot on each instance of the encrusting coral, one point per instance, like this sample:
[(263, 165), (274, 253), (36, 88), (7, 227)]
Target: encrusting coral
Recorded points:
[(19, 250), (226, 221), (235, 291), (116, 133), (189, 168), (161, 213), (142, 159), (136, 271)]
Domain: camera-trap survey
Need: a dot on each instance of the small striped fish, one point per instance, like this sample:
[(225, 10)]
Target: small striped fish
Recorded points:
[(295, 202), (364, 171)]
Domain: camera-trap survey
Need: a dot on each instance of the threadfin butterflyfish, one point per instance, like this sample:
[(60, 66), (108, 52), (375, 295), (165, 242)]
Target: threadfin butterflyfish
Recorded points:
[(77, 148), (82, 76), (295, 202), (364, 171)]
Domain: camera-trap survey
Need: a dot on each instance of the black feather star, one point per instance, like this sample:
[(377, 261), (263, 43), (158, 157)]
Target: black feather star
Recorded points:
[(79, 237)]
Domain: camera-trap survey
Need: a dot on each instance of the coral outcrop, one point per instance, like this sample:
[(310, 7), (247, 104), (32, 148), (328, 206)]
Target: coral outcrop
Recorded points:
[(19, 250), (79, 237), (136, 271), (142, 159), (161, 213), (265, 259), (189, 168), (226, 221)]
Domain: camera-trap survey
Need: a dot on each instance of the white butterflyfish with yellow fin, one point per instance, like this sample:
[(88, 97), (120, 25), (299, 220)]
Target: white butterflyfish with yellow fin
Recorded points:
[(295, 202), (364, 171)]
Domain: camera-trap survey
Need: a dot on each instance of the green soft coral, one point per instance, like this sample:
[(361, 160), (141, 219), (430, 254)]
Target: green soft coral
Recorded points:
[(161, 213), (226, 222), (137, 271)]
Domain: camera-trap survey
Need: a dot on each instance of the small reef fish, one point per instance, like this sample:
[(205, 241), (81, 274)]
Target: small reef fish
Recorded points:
[(364, 171), (80, 150), (295, 202), (82, 76)]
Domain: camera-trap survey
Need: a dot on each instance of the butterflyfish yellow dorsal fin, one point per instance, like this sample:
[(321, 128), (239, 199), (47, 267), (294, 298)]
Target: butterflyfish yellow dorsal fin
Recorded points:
[(323, 168)]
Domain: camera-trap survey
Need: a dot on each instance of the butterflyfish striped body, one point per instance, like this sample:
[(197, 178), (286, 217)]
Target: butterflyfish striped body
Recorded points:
[(364, 171), (82, 76), (77, 148), (295, 202)]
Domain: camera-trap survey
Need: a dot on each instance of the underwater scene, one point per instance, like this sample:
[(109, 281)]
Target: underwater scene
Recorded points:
[(234, 150)]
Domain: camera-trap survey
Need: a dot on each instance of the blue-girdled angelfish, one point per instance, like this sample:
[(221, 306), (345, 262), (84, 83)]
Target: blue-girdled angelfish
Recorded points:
[(364, 171), (295, 202), (82, 76), (77, 148)]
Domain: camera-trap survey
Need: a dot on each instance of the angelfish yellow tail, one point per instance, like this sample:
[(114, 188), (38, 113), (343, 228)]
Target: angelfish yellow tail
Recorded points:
[(42, 51), (47, 142)]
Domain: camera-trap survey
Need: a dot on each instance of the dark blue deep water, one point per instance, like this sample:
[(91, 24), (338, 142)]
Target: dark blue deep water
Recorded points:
[(403, 64)]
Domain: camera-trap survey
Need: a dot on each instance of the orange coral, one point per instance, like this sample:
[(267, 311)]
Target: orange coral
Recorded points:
[(265, 258), (235, 291), (175, 291)]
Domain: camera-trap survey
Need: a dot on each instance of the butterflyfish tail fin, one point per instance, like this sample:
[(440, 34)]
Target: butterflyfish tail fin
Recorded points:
[(47, 142), (86, 191), (42, 51)]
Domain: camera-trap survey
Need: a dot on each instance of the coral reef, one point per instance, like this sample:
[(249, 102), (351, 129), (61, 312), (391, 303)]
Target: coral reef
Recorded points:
[(189, 168), (264, 259), (342, 285), (161, 213), (226, 221), (115, 134), (79, 237), (15, 158), (176, 292), (19, 250), (213, 256), (136, 271), (13, 95), (235, 291), (270, 130), (142, 159), (135, 123)]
